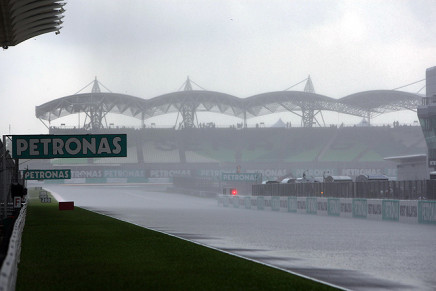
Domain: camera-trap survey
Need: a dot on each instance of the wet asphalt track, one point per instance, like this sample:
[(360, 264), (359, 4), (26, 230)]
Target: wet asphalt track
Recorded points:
[(352, 253)]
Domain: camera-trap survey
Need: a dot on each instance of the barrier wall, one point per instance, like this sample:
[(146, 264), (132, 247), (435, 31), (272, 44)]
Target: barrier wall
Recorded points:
[(410, 211)]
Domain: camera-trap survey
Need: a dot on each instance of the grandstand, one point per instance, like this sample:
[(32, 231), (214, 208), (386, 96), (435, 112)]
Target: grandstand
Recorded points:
[(207, 150), (286, 150)]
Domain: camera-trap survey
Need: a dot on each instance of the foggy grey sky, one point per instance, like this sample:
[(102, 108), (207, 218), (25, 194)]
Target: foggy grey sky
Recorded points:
[(243, 48)]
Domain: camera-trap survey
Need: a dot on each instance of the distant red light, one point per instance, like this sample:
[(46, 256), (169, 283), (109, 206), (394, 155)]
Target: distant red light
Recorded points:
[(234, 191)]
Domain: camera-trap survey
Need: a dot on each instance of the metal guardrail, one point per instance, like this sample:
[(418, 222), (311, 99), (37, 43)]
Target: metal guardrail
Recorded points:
[(8, 272)]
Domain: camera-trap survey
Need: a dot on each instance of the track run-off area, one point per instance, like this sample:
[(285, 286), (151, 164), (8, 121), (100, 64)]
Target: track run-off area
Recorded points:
[(352, 253)]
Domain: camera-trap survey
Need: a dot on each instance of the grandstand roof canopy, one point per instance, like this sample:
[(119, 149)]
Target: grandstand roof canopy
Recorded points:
[(360, 104), (383, 101), (24, 19)]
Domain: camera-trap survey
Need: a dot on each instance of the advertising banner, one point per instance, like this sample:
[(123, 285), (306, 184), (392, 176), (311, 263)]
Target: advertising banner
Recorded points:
[(391, 210), (334, 207), (409, 211), (427, 211), (292, 204), (241, 177), (275, 203), (47, 174), (260, 203), (69, 146), (301, 204), (311, 205), (374, 209), (322, 204), (346, 207)]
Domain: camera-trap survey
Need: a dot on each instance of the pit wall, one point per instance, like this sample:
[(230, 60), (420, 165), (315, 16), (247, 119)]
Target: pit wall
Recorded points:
[(411, 211)]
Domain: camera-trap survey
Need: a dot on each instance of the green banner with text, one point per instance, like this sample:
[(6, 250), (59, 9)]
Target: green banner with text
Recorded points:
[(47, 174), (69, 146)]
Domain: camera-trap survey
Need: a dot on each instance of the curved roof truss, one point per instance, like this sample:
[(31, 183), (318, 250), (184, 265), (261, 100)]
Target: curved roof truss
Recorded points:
[(96, 105)]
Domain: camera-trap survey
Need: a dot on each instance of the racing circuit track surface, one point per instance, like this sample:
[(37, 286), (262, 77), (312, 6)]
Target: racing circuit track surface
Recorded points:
[(351, 253)]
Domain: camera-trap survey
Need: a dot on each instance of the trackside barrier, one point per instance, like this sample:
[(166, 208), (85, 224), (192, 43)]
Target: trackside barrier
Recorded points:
[(333, 207), (322, 206), (411, 211), (292, 204), (247, 202), (346, 207), (8, 272), (311, 205), (391, 210), (301, 204), (427, 211), (408, 210), (360, 208), (260, 203), (375, 209), (284, 204), (275, 203)]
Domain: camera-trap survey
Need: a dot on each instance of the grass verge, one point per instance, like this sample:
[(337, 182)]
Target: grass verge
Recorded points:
[(82, 250)]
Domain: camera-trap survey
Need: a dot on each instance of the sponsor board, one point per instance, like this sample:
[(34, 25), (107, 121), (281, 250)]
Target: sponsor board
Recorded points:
[(409, 211), (275, 203), (284, 204), (334, 207), (391, 210), (301, 204), (427, 211), (69, 146), (168, 173), (360, 208), (46, 200), (311, 205), (267, 201), (260, 203), (17, 202), (292, 204), (43, 194), (247, 202), (241, 177), (346, 207), (226, 201), (254, 202), (374, 209), (235, 201), (322, 204), (47, 174)]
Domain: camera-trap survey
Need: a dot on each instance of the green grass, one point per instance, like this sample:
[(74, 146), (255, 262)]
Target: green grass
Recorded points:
[(81, 250)]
